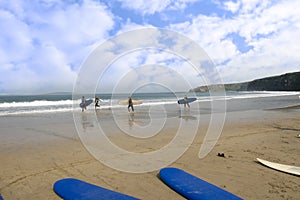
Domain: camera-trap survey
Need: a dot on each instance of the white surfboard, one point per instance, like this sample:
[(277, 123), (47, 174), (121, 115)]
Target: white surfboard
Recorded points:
[(281, 167)]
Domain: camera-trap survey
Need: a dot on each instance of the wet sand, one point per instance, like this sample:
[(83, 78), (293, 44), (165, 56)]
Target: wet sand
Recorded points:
[(36, 150)]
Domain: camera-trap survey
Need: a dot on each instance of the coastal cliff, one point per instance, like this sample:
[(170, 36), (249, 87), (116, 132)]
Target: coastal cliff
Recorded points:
[(285, 82)]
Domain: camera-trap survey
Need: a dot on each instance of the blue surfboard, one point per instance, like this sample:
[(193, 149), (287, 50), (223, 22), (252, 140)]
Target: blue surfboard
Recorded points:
[(192, 187), (189, 100), (1, 197), (87, 102), (74, 189)]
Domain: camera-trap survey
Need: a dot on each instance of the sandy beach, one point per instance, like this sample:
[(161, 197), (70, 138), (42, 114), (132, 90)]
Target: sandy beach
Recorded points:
[(38, 149)]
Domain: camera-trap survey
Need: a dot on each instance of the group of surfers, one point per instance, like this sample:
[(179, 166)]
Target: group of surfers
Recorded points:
[(130, 103)]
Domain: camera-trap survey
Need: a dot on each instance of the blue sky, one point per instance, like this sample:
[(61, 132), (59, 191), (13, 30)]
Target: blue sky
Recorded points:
[(43, 43)]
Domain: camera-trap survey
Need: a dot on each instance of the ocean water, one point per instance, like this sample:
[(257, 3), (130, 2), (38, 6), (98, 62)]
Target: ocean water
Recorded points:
[(30, 104)]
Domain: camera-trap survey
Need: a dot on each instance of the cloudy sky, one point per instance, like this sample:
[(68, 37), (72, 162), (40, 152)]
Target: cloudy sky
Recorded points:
[(43, 43)]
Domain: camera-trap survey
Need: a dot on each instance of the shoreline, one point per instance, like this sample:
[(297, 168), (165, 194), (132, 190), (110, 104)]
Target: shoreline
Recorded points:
[(37, 150), (14, 106)]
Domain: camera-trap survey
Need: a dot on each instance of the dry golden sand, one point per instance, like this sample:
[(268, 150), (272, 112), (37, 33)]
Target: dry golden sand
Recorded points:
[(38, 150)]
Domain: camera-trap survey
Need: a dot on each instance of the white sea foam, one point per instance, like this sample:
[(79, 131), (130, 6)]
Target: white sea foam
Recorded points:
[(21, 112), (37, 103), (259, 94)]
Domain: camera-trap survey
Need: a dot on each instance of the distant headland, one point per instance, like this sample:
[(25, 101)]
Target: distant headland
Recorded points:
[(285, 82)]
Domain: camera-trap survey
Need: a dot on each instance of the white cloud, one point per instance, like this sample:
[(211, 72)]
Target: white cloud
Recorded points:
[(232, 6), (275, 51), (150, 7), (14, 41), (271, 30), (210, 33), (146, 66), (146, 7), (128, 25), (180, 4), (252, 6), (48, 40)]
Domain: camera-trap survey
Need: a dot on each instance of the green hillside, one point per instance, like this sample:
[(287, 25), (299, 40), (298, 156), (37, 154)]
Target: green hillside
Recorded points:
[(285, 82)]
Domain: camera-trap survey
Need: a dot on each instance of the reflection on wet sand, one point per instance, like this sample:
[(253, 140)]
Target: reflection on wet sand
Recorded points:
[(86, 123), (186, 115)]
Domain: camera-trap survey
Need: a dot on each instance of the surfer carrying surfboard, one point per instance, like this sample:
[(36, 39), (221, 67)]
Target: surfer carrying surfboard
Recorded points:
[(186, 102), (130, 104), (97, 102), (83, 104)]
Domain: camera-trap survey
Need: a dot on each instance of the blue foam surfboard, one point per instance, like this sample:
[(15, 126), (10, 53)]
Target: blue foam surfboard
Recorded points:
[(87, 102), (74, 189), (192, 187), (189, 100), (1, 197)]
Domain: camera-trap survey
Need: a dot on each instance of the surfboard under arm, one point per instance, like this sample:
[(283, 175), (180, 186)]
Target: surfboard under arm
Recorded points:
[(189, 100), (87, 102)]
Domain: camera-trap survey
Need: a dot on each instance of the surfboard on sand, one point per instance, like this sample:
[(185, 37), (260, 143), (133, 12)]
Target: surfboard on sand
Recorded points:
[(70, 188), (281, 167), (192, 187), (135, 102), (1, 197), (189, 100), (87, 102)]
